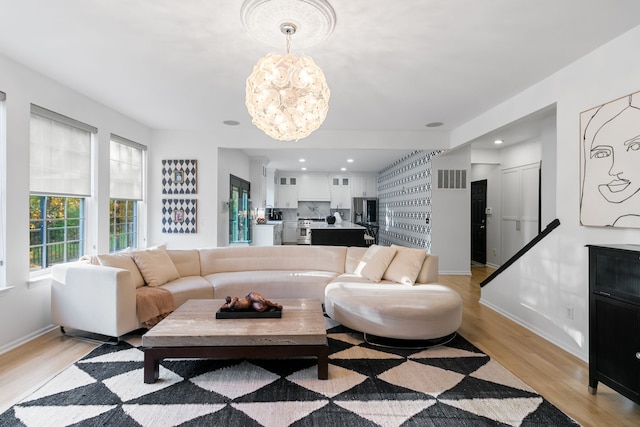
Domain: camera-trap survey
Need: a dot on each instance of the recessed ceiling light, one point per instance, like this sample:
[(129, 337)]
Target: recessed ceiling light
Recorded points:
[(349, 160), (304, 169), (343, 169), (231, 122), (302, 160), (498, 141), (434, 124)]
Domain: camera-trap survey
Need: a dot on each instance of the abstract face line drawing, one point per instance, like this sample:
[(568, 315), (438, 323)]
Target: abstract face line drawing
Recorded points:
[(609, 145), (610, 193)]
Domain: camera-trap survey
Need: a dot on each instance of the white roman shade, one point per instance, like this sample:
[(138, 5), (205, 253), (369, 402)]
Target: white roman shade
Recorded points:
[(126, 169), (60, 154)]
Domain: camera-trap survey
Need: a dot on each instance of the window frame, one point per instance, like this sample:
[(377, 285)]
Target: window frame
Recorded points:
[(3, 188), (62, 185), (137, 198)]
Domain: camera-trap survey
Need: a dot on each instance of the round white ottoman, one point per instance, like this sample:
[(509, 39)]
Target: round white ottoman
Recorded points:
[(420, 312)]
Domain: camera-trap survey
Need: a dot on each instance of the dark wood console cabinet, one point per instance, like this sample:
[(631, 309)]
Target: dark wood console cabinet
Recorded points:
[(614, 318)]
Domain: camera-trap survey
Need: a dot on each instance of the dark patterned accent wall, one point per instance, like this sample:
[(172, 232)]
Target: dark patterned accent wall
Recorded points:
[(404, 201)]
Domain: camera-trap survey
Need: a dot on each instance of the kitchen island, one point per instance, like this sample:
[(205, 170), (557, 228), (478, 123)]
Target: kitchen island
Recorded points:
[(344, 233), (268, 234)]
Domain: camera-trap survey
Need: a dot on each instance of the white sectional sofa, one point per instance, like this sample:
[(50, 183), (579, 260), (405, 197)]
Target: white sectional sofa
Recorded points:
[(99, 294)]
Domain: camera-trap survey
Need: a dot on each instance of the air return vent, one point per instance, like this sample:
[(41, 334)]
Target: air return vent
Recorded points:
[(452, 179)]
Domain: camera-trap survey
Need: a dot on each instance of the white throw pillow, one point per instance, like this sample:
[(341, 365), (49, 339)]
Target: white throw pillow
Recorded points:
[(375, 261), (155, 265), (123, 260), (405, 265)]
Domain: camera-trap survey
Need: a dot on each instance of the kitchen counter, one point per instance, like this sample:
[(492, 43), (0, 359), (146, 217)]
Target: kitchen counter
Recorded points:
[(344, 225)]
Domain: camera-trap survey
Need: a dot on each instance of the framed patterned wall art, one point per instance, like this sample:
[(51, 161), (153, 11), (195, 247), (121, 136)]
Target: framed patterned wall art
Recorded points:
[(179, 215), (179, 177)]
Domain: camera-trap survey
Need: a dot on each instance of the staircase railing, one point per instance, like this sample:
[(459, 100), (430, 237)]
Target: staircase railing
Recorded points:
[(552, 225)]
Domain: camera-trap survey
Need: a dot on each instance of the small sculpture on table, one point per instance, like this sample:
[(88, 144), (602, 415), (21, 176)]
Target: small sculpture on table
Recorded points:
[(252, 305)]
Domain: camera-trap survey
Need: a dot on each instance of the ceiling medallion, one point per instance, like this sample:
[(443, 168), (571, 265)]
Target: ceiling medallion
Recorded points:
[(287, 96), (314, 20)]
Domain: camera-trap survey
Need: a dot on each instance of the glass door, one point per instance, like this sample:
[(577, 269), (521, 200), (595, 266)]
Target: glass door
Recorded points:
[(239, 211)]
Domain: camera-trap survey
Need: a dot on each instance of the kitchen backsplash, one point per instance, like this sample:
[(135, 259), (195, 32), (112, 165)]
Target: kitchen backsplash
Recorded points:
[(312, 210)]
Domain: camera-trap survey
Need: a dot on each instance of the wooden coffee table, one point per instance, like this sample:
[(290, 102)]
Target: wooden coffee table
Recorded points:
[(193, 331)]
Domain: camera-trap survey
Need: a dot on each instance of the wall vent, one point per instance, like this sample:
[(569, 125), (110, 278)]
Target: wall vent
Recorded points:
[(452, 179)]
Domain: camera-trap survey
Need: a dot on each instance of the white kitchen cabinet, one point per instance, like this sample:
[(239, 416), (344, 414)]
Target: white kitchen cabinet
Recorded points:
[(289, 232), (364, 185), (340, 189), (258, 179), (272, 188), (287, 194)]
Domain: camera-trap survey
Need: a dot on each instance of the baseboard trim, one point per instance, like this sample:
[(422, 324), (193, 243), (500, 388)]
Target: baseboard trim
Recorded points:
[(23, 340), (455, 273), (541, 334)]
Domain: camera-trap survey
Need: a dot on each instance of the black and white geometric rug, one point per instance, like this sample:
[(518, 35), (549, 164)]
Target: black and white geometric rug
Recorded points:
[(451, 385)]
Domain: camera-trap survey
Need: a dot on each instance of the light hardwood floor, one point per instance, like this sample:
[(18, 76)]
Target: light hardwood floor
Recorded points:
[(552, 372)]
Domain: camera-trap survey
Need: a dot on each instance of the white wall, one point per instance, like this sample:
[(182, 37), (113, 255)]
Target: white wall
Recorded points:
[(451, 216), (537, 290), (24, 308)]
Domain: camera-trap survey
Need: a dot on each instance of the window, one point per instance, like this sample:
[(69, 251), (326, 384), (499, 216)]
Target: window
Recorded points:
[(123, 224), (126, 190), (60, 180), (56, 228)]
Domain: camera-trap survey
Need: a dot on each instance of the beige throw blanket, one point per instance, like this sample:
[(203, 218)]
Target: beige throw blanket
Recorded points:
[(153, 304)]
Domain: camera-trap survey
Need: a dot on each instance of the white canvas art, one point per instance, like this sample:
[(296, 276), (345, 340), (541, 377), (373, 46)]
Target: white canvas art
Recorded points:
[(610, 164)]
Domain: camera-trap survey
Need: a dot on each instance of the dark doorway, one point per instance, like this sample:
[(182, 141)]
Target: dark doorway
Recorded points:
[(478, 221)]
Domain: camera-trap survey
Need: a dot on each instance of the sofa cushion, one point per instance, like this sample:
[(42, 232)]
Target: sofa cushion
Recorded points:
[(123, 260), (155, 265), (259, 258), (186, 261), (375, 262), (429, 271), (191, 287), (356, 278), (406, 265), (354, 255), (272, 284)]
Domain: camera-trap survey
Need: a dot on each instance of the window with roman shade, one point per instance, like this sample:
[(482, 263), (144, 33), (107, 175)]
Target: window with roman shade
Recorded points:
[(126, 169), (60, 154), (126, 190), (60, 180)]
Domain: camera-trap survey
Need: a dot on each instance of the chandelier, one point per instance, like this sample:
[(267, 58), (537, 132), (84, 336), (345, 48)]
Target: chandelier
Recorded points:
[(287, 96)]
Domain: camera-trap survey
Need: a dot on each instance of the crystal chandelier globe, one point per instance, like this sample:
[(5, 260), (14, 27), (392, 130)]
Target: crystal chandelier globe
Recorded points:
[(286, 95)]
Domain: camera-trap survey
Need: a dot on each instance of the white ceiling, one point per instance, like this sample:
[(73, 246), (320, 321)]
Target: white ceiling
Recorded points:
[(392, 66)]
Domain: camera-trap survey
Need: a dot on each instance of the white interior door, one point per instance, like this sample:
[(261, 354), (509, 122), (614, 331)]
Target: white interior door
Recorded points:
[(519, 222)]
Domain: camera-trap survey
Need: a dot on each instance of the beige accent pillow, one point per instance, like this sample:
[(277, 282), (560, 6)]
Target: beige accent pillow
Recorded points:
[(375, 261), (155, 265), (122, 260), (405, 265)]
